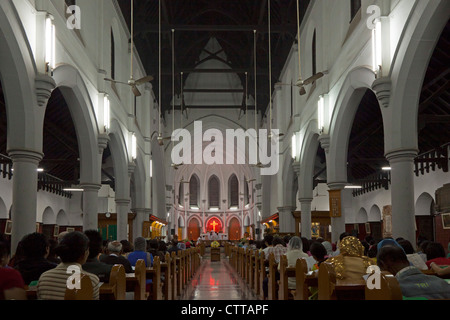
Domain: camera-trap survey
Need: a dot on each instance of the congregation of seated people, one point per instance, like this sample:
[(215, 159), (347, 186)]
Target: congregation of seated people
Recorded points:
[(46, 264), (420, 271)]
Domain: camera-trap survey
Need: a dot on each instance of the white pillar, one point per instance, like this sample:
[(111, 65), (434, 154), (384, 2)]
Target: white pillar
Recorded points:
[(286, 219), (402, 193), (90, 206), (24, 194), (305, 208), (140, 218), (122, 208)]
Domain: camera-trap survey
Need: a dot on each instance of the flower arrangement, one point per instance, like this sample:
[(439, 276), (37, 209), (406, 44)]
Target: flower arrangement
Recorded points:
[(215, 244)]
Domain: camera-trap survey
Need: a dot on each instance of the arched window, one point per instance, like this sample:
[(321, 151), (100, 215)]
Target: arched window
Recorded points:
[(181, 194), (214, 192), (314, 54), (194, 191), (113, 56), (246, 193), (233, 191)]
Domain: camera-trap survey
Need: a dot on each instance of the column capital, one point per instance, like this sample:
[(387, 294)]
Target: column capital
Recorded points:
[(382, 88), (122, 201), (338, 185), (401, 155), (138, 210), (22, 155), (305, 200), (103, 139), (44, 87), (88, 186), (324, 140), (286, 208), (131, 167)]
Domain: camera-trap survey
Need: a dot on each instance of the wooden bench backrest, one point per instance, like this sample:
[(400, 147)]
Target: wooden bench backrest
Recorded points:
[(256, 274), (301, 289), (389, 289), (118, 281), (283, 292), (141, 275), (327, 282), (157, 292), (173, 257), (272, 285), (86, 292), (262, 273)]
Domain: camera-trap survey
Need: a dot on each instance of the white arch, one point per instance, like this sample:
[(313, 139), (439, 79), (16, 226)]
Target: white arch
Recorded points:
[(62, 219), (362, 216), (247, 222), (119, 154), (355, 85), (416, 46), (139, 178), (81, 108), (181, 221), (48, 216), (424, 205), (374, 214), (308, 154)]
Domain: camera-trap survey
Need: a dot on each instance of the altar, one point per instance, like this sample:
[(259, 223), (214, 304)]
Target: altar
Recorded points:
[(214, 236)]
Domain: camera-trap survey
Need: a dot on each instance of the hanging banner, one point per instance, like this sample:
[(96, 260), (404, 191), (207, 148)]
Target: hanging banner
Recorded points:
[(335, 203)]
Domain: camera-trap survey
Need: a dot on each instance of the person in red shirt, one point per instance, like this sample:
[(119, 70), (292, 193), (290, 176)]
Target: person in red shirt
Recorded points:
[(11, 282)]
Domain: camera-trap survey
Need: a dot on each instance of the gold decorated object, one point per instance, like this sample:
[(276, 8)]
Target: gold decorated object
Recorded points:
[(349, 247)]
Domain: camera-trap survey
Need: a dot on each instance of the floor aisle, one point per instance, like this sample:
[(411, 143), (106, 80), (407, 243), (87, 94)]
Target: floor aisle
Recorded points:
[(217, 281)]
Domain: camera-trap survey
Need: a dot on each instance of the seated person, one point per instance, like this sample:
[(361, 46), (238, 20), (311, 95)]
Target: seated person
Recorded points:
[(114, 256), (35, 249), (441, 271), (92, 264), (153, 249), (413, 282), (11, 282), (350, 263), (413, 257), (435, 253), (294, 252), (73, 251), (140, 246)]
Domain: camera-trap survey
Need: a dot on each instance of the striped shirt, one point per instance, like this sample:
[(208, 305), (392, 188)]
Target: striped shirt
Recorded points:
[(52, 284)]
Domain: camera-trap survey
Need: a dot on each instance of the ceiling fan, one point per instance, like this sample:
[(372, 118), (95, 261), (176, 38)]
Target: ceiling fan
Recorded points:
[(300, 82), (176, 166), (132, 83), (251, 180)]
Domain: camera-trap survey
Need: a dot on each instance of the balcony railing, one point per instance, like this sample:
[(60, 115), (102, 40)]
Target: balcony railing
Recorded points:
[(432, 160)]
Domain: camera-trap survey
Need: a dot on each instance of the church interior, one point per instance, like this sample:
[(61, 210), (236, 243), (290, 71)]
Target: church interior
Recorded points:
[(256, 149)]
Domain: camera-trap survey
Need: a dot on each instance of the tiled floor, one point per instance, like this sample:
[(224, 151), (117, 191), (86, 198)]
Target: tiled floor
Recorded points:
[(217, 281)]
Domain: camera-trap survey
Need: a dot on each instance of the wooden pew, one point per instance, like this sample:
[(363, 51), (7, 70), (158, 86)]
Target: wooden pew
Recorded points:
[(166, 269), (272, 282), (116, 288), (136, 281), (303, 280), (86, 291), (251, 269), (285, 273), (256, 274), (389, 289), (173, 259), (180, 270), (331, 288), (154, 273), (262, 274)]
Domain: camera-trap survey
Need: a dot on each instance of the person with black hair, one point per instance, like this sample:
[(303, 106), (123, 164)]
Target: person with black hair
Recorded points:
[(73, 251), (11, 282), (319, 253), (152, 248), (413, 257), (413, 282), (93, 264), (341, 237), (268, 239), (436, 253), (35, 249)]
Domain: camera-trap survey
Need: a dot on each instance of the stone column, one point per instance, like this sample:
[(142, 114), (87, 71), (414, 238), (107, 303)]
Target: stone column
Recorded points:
[(24, 193), (122, 209), (90, 205), (402, 193), (140, 218), (338, 223), (286, 219), (305, 207)]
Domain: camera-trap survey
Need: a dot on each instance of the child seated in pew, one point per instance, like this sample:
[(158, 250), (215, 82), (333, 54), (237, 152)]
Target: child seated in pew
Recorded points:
[(413, 282), (73, 251)]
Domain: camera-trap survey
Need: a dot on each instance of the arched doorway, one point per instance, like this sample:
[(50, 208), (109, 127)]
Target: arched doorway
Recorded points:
[(234, 229), (193, 229)]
